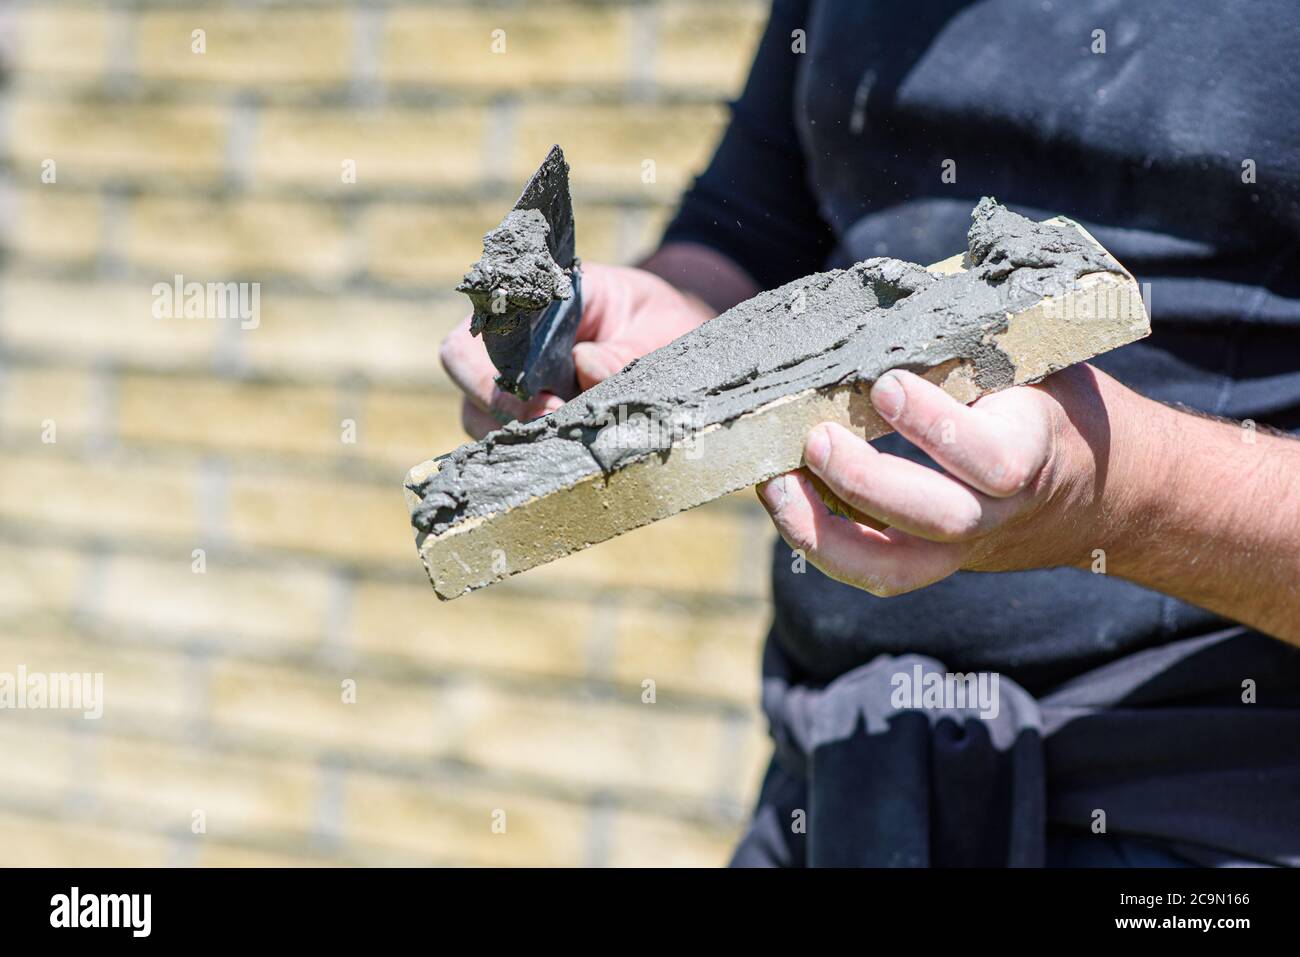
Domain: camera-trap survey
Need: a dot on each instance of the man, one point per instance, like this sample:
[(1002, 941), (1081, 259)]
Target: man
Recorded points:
[(1143, 511)]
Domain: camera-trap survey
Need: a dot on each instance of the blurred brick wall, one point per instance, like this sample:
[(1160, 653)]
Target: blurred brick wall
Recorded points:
[(170, 435)]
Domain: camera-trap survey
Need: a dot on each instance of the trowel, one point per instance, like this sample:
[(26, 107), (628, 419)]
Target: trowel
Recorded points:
[(527, 288)]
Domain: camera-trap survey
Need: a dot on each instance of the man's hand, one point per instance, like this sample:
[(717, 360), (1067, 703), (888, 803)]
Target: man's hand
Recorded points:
[(626, 313), (1016, 465), (1061, 473)]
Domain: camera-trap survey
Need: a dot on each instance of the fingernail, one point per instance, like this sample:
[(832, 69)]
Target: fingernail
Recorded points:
[(887, 396), (818, 447), (773, 492)]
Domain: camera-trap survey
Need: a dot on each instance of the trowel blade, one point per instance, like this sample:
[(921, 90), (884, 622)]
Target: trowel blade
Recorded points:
[(548, 192)]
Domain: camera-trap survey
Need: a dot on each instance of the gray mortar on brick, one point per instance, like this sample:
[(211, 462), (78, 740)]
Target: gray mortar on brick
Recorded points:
[(829, 328)]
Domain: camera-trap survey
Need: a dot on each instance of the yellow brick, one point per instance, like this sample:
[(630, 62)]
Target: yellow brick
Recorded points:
[(607, 145), (215, 414), (431, 246), (103, 495), (386, 340), (403, 428), (283, 606), (39, 580), (41, 762), (643, 840), (699, 550), (212, 854), (55, 224), (599, 236), (71, 41), (140, 687), (311, 513), (706, 654), (38, 842), (754, 756), (442, 823), (508, 633), (597, 744), (556, 46), (245, 239), (395, 147), (92, 321), (706, 47), (161, 786), (91, 140), (46, 404), (305, 712), (245, 47), (435, 246)]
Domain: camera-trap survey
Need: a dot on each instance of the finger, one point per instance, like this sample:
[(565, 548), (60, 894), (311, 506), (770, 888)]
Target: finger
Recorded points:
[(505, 407), (475, 421), (597, 361), (887, 562), (998, 448), (903, 494), (541, 404), (603, 295), (465, 359), (840, 507)]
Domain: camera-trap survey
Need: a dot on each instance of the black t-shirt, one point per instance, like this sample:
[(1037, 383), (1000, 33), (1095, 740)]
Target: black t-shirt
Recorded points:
[(1169, 128)]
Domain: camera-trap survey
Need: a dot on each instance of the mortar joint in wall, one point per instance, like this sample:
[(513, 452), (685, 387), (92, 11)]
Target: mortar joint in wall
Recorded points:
[(213, 502), (87, 746), (183, 851), (367, 89), (601, 635), (101, 436), (121, 51), (600, 828), (89, 603), (197, 676), (228, 355), (241, 138), (643, 43), (327, 822), (337, 650), (109, 263), (631, 226)]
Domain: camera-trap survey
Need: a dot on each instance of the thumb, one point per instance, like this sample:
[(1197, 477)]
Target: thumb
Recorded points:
[(597, 361)]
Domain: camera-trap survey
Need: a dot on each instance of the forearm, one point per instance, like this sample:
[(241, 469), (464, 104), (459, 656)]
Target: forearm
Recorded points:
[(1204, 510)]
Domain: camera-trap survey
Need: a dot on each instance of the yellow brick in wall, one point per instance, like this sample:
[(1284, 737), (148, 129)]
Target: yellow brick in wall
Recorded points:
[(516, 49), (91, 140), (330, 149), (214, 43), (252, 239), (57, 225), (90, 321), (58, 41), (649, 152), (45, 406)]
